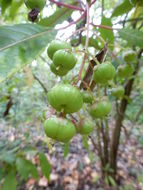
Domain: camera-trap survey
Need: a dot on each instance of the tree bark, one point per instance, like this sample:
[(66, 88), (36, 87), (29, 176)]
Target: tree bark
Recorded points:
[(119, 120)]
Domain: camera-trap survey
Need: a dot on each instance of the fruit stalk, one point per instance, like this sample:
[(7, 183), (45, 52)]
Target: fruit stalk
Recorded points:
[(86, 43)]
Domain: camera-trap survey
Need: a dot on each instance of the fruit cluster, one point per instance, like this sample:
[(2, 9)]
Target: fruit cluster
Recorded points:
[(67, 99), (126, 70), (62, 57)]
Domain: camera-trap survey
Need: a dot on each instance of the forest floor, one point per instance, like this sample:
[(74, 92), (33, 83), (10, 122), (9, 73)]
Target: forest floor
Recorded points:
[(80, 170)]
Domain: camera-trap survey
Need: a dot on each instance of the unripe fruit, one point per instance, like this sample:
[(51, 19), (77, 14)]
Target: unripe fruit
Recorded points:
[(64, 59), (32, 4), (59, 129), (56, 45), (87, 97), (130, 56), (60, 71), (103, 73), (86, 127), (65, 98), (100, 109), (118, 92), (125, 71)]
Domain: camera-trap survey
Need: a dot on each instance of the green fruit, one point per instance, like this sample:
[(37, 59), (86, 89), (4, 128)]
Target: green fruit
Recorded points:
[(103, 73), (56, 45), (86, 128), (130, 56), (64, 59), (59, 129), (87, 97), (32, 4), (100, 109), (125, 71), (65, 98), (118, 92), (60, 71)]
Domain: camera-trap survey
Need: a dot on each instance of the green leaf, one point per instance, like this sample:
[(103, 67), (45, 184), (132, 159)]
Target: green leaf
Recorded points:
[(10, 182), (17, 34), (45, 166), (20, 44), (1, 173), (5, 4), (112, 181), (57, 18), (66, 149), (16, 4), (85, 142), (107, 35), (8, 157), (123, 8), (26, 168), (133, 37)]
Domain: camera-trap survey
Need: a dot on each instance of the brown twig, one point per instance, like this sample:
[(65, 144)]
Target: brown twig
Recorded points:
[(8, 106), (120, 117), (94, 1), (104, 27), (88, 75)]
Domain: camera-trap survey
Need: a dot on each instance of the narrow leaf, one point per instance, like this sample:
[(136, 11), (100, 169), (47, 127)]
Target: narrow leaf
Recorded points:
[(45, 165), (10, 182), (57, 18), (123, 8), (26, 168)]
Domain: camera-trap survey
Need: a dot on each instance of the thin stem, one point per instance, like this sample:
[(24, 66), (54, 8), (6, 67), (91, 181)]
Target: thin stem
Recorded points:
[(86, 43), (67, 5), (43, 59), (75, 32), (74, 22), (130, 20), (94, 1), (41, 83), (100, 150), (103, 26), (102, 10)]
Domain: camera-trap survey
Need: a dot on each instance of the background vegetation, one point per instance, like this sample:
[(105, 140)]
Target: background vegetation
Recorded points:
[(26, 154)]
